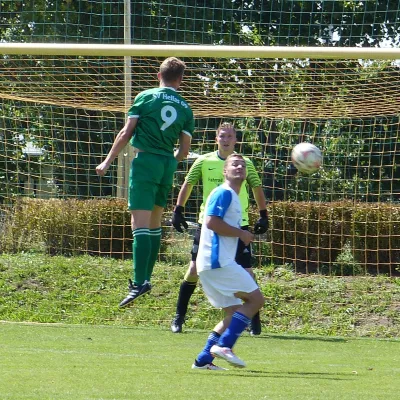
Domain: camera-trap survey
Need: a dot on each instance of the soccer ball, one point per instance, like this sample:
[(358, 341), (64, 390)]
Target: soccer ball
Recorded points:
[(306, 157)]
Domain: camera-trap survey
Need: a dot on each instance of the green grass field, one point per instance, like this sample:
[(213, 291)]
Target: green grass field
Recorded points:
[(43, 361), (87, 290)]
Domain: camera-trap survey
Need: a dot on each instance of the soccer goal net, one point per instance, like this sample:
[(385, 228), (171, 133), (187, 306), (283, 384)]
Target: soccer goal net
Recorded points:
[(62, 105)]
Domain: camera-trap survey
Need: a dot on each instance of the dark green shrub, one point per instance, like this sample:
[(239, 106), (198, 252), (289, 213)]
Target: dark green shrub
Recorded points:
[(377, 236), (340, 238), (100, 227), (312, 236)]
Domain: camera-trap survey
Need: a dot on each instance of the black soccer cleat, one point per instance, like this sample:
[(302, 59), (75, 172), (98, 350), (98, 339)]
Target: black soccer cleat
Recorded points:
[(135, 291), (176, 324)]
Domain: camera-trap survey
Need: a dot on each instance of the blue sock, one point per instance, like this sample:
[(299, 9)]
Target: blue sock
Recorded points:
[(205, 356), (238, 324)]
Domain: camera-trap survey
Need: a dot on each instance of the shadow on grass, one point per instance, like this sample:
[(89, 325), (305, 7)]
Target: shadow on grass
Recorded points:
[(305, 337), (251, 373), (266, 336)]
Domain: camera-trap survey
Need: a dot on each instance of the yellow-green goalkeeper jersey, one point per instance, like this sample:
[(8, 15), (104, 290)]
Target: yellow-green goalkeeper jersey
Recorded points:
[(162, 115), (210, 169)]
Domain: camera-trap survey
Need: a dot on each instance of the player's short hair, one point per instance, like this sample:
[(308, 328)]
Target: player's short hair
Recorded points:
[(225, 125), (171, 69), (233, 155)]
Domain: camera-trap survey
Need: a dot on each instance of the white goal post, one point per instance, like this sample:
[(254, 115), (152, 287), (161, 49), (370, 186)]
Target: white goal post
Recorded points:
[(329, 53)]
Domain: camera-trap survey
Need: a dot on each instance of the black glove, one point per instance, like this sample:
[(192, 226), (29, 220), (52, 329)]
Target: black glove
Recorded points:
[(178, 220), (262, 224)]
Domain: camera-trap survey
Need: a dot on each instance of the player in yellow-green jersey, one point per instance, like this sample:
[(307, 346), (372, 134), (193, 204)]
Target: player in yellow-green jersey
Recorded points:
[(157, 120), (209, 169)]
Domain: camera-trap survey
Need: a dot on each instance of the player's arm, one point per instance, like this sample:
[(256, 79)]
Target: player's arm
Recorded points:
[(184, 146), (178, 219), (220, 227), (184, 194), (262, 224), (121, 140), (254, 181), (259, 197), (185, 137), (191, 179)]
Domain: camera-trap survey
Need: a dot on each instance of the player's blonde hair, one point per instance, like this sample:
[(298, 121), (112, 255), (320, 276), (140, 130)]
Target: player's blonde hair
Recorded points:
[(225, 125), (171, 69)]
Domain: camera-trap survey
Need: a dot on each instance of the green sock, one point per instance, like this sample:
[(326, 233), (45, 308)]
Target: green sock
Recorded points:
[(155, 240), (141, 253)]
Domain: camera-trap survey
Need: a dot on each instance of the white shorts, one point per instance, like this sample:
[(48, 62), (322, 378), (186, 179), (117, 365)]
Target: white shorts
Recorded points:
[(221, 284)]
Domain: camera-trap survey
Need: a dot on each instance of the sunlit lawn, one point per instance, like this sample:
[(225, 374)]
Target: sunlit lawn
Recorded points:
[(97, 362)]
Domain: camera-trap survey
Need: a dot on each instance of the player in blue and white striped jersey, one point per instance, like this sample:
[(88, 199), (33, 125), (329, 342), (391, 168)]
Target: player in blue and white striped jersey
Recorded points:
[(226, 284)]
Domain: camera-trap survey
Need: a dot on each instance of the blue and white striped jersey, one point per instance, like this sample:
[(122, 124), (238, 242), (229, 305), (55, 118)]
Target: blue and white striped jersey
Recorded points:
[(217, 251)]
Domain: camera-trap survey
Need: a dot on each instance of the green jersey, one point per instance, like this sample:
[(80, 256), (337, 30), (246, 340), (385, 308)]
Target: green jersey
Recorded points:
[(162, 115), (210, 169)]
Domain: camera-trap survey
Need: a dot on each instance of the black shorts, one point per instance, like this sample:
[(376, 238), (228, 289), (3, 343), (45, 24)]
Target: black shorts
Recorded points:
[(243, 253)]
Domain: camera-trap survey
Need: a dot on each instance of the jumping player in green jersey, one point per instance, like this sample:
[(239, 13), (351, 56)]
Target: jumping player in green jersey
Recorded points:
[(157, 120), (209, 169)]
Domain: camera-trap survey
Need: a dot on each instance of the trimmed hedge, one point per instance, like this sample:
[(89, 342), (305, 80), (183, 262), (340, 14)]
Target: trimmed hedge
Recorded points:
[(313, 236), (340, 238), (69, 227)]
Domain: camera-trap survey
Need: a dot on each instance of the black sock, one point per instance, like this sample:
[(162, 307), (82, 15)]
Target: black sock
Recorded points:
[(185, 293), (255, 321)]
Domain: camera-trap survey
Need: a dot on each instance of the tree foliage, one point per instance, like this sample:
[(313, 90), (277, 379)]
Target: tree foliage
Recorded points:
[(274, 22)]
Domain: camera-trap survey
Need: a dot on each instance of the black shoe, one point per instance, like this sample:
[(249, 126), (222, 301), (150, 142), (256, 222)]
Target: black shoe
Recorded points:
[(254, 332), (176, 324), (135, 291), (255, 326)]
